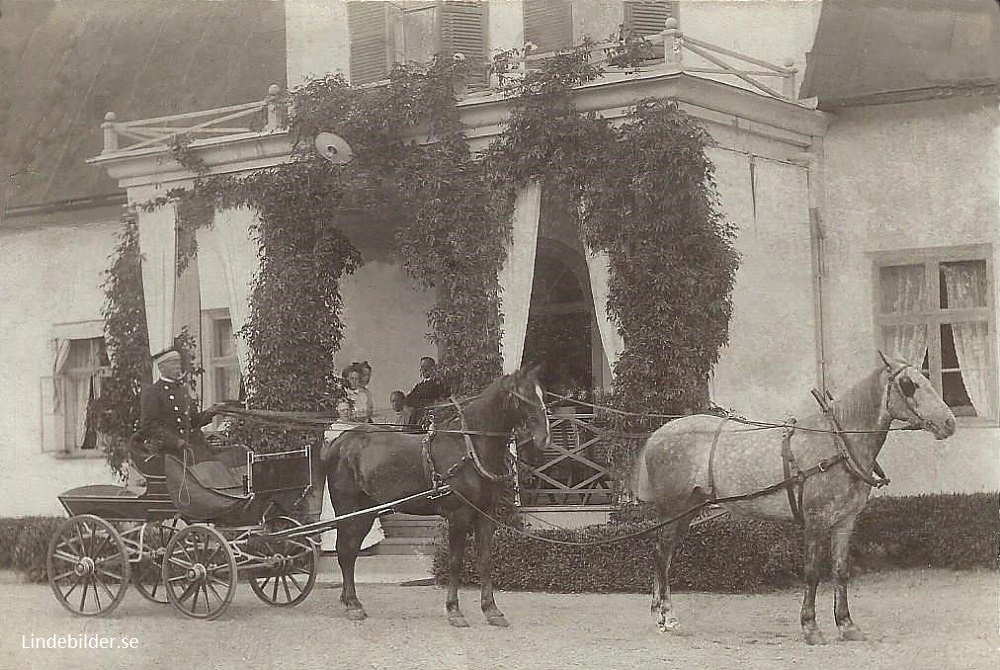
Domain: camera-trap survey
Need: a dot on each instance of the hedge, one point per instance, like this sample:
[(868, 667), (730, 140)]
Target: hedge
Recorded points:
[(729, 554), (24, 544), (726, 554)]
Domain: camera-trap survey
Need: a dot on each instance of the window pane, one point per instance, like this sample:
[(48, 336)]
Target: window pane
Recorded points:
[(223, 338), (966, 369), (227, 383), (963, 284), (906, 341), (903, 289)]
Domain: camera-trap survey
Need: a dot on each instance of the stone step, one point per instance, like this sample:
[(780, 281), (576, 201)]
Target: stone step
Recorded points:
[(404, 546), (378, 569), (396, 525)]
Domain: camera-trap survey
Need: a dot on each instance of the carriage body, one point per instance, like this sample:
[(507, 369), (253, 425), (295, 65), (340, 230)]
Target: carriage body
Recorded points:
[(188, 536)]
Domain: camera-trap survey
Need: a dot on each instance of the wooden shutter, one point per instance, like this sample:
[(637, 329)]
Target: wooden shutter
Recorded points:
[(646, 17), (371, 34), (548, 24), (463, 30), (53, 419)]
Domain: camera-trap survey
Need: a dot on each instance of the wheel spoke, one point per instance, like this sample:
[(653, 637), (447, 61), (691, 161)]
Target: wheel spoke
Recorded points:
[(194, 603), (298, 586), (106, 588), (288, 593), (83, 596), (66, 557), (188, 591), (79, 580), (210, 585), (114, 577)]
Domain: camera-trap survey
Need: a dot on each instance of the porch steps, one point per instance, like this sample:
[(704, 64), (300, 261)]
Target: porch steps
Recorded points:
[(406, 534), (404, 556)]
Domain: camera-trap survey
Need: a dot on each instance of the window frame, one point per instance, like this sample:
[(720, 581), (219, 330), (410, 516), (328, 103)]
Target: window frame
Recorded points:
[(60, 422), (934, 316), (212, 362)]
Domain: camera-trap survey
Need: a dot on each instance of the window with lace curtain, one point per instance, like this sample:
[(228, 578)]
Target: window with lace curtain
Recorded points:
[(935, 309), (222, 367), (70, 396)]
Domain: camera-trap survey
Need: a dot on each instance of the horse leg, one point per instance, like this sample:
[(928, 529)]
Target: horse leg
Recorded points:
[(484, 528), (807, 616), (665, 546), (349, 537), (840, 549), (458, 529)]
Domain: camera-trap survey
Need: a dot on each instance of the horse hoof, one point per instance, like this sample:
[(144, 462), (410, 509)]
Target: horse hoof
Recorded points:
[(814, 637), (458, 621), (498, 620), (357, 615), (852, 634), (668, 625)]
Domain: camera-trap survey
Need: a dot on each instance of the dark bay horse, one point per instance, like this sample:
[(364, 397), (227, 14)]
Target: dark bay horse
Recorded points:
[(371, 465), (691, 460)]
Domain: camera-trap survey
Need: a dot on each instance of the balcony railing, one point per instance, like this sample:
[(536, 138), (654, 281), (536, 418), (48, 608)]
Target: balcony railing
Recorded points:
[(673, 51), (265, 115)]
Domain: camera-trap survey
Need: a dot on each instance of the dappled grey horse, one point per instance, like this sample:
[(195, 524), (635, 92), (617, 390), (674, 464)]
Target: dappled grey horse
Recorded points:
[(819, 472)]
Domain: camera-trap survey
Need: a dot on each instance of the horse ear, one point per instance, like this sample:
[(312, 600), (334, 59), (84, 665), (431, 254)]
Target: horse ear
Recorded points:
[(884, 359)]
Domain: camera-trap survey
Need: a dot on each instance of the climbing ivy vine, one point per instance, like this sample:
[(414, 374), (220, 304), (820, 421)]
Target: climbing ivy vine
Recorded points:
[(645, 192)]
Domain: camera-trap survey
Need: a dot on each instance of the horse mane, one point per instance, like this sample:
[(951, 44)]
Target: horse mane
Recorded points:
[(859, 405), (447, 412)]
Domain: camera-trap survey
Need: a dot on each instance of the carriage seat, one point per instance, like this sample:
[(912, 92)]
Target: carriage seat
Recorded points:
[(149, 464)]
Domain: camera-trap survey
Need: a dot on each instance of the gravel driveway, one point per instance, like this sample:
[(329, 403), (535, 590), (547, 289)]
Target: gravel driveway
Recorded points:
[(914, 620)]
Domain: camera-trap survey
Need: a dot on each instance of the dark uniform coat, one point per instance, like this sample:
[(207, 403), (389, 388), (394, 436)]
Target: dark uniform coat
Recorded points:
[(426, 392), (169, 419)]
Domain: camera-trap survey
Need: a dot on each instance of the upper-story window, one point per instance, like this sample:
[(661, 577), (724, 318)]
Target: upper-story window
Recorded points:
[(70, 395), (934, 309), (549, 24), (383, 34), (646, 17)]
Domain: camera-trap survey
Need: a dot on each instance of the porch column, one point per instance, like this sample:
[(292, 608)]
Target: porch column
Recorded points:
[(517, 275), (158, 245), (236, 252), (599, 269)]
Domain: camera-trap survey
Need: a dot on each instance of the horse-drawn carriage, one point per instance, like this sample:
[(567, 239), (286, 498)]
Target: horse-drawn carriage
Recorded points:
[(188, 536)]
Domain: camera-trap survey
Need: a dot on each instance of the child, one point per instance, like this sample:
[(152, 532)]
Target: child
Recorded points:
[(399, 415)]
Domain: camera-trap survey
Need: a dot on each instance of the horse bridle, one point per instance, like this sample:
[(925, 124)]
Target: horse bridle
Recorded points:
[(471, 455), (891, 382)]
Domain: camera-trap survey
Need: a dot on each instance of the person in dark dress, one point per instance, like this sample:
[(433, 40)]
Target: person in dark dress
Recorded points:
[(428, 391), (169, 419)]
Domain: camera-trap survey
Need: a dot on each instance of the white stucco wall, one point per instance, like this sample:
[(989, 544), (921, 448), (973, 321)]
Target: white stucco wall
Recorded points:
[(385, 320), (901, 177), (769, 366), (48, 275)]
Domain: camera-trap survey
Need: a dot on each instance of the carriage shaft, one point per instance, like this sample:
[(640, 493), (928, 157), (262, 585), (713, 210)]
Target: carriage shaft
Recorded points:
[(329, 524)]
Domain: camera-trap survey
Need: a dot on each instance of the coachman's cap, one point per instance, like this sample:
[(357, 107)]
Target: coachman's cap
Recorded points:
[(166, 355)]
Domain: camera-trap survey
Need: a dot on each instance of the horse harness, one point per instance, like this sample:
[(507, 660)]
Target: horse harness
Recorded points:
[(795, 477), (470, 456)]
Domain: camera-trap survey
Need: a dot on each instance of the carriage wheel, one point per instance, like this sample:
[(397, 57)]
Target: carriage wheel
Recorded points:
[(199, 572), (147, 572), (88, 565), (289, 566)]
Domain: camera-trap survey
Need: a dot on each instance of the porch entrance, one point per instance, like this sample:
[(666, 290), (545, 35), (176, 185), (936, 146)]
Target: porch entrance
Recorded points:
[(562, 335)]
